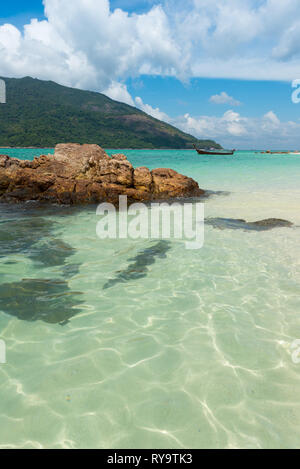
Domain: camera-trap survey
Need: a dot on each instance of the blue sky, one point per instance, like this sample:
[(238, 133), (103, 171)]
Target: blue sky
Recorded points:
[(220, 69), (175, 97), (19, 12)]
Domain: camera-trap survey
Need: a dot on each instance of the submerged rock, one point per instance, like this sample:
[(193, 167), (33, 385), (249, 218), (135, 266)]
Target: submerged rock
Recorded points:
[(272, 223), (51, 252), (236, 224), (47, 300), (20, 236), (70, 270), (78, 174), (138, 268)]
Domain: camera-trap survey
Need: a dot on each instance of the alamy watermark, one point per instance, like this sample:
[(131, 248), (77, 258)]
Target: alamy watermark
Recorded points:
[(296, 92), (295, 348), (2, 92), (2, 352), (184, 221)]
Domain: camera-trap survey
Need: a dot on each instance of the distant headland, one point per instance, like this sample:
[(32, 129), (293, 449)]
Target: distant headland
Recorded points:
[(38, 114)]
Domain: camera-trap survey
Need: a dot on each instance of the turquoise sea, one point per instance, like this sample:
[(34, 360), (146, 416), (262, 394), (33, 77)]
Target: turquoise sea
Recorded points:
[(144, 344)]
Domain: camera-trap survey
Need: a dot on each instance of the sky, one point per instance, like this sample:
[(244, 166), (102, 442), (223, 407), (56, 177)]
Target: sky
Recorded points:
[(220, 69)]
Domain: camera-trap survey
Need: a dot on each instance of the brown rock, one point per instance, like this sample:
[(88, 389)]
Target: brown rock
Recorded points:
[(3, 160), (169, 183), (78, 174), (119, 156), (143, 179)]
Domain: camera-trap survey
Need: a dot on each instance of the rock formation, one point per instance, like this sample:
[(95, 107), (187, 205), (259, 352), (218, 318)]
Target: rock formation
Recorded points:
[(236, 224), (80, 174)]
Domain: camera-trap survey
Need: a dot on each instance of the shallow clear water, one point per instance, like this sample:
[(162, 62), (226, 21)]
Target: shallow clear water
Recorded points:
[(144, 344)]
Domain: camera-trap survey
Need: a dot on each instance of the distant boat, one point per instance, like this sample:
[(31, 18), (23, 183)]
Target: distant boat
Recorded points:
[(213, 152)]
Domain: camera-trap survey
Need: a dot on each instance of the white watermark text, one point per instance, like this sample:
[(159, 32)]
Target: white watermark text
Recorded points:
[(183, 221)]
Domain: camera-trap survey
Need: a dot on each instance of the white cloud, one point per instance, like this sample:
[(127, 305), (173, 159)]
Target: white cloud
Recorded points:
[(154, 112), (231, 124), (10, 38), (224, 98), (234, 130), (235, 124), (288, 46), (119, 92), (238, 39), (83, 43), (271, 119)]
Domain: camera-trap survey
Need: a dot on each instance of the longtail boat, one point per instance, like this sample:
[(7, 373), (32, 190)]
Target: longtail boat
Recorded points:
[(213, 152)]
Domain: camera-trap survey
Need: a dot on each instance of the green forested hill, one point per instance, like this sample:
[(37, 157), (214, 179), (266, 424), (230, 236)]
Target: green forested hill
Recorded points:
[(43, 113)]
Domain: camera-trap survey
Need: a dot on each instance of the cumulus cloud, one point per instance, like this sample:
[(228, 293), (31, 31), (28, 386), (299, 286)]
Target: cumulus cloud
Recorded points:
[(83, 44), (232, 129), (224, 98), (288, 46), (119, 92), (154, 112), (235, 130), (231, 124), (234, 39), (86, 44), (271, 119)]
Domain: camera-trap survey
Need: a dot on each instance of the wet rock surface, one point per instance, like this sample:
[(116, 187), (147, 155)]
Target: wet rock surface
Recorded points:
[(81, 174)]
